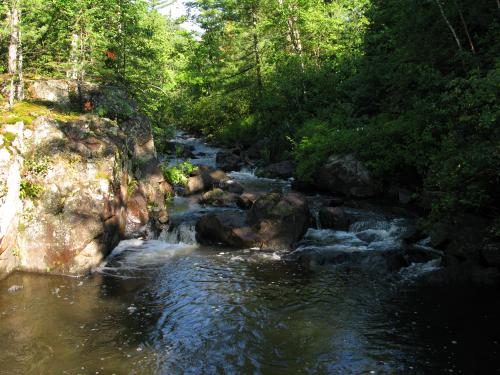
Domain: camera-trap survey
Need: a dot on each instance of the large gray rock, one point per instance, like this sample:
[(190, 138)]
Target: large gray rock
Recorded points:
[(228, 229), (219, 197), (228, 161), (345, 175), (246, 200), (282, 170), (205, 179), (274, 222), (59, 91)]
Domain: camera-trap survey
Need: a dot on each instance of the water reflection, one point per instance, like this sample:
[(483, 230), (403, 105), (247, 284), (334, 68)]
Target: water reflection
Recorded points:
[(203, 312)]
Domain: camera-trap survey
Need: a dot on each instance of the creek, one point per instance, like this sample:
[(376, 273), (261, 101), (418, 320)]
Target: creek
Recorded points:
[(171, 306)]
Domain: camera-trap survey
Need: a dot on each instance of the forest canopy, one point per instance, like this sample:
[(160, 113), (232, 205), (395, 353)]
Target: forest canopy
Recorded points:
[(410, 87)]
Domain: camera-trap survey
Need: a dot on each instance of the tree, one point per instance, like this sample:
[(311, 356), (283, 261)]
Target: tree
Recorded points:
[(15, 58)]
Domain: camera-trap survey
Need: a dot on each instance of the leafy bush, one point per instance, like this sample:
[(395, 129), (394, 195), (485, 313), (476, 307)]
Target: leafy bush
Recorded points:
[(178, 174)]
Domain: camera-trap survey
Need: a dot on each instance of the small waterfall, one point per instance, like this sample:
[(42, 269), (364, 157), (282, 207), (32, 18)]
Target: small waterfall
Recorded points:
[(184, 233)]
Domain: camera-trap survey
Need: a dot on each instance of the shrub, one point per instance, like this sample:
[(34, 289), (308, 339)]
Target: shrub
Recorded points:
[(178, 174)]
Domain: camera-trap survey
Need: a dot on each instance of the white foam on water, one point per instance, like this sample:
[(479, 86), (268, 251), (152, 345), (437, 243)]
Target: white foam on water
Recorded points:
[(415, 270), (135, 255)]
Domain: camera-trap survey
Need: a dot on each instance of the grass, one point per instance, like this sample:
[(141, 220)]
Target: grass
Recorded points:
[(28, 111)]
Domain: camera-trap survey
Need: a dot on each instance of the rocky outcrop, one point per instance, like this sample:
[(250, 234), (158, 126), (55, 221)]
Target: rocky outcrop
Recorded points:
[(11, 163), (86, 184), (345, 175), (275, 222), (283, 170), (470, 255)]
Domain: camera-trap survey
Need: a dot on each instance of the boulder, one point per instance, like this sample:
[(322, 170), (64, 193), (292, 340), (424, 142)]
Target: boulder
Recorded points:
[(282, 220), (59, 91), (228, 229), (274, 222), (491, 254), (246, 200), (205, 179), (345, 175), (283, 170), (219, 197), (333, 218), (228, 161), (231, 186)]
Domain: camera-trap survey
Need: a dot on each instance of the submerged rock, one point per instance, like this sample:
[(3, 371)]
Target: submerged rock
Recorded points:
[(380, 260)]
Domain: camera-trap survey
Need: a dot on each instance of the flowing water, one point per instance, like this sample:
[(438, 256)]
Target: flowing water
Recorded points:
[(170, 306)]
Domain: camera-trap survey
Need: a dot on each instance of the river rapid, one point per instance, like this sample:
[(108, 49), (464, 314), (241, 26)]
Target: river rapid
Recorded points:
[(171, 306)]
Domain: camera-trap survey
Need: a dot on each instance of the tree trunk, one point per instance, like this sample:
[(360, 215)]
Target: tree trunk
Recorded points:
[(13, 50), (20, 81), (296, 42), (466, 29), (448, 23), (73, 57), (257, 55)]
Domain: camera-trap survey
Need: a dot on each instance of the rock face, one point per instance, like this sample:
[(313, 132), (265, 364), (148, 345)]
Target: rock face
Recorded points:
[(86, 184), (283, 170), (11, 163), (345, 175), (275, 222), (228, 161)]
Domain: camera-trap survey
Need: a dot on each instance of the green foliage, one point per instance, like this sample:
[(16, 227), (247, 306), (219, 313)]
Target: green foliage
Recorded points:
[(30, 190), (386, 82), (34, 169), (178, 174), (131, 186)]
